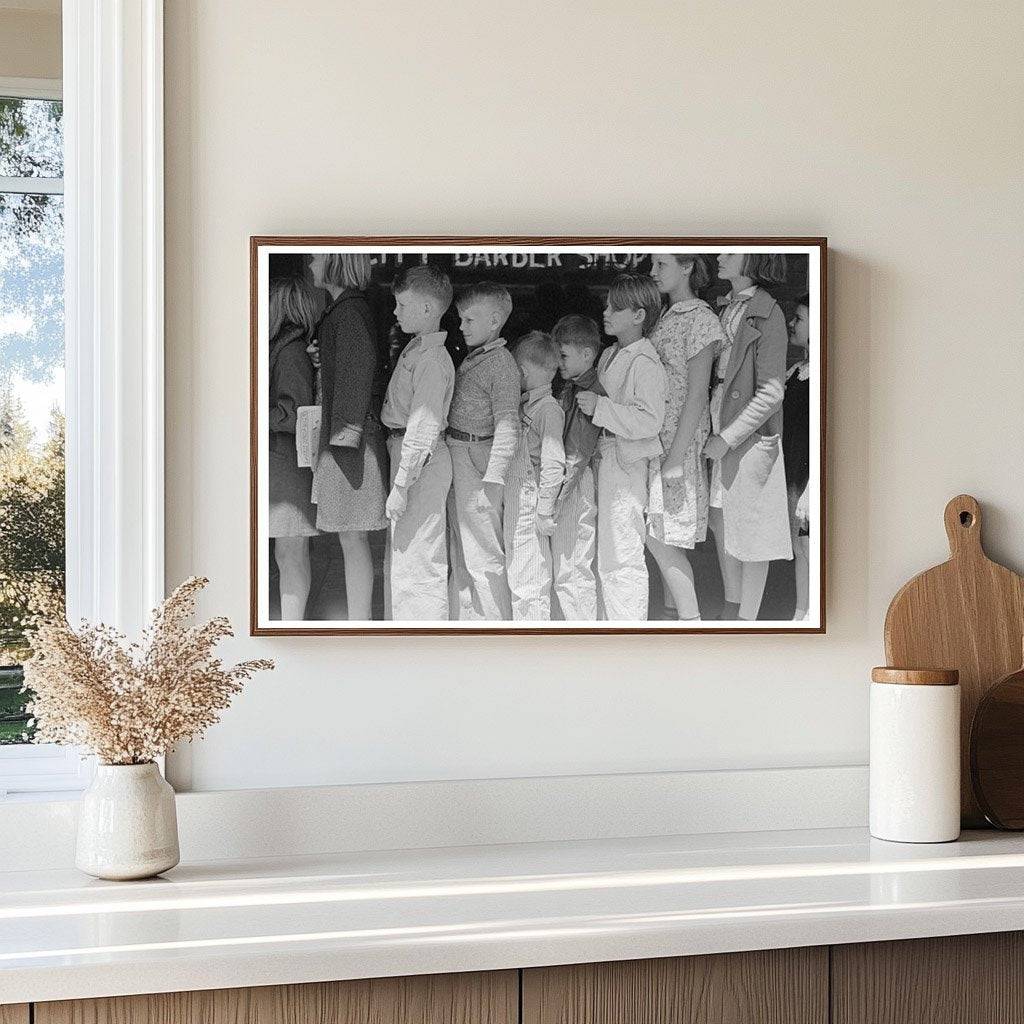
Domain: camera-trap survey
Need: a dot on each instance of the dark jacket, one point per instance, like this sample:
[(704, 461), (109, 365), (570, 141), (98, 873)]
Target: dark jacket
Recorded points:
[(348, 368), (580, 434), (291, 384)]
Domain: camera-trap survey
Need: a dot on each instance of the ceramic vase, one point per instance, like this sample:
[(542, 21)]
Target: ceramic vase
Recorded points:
[(127, 825)]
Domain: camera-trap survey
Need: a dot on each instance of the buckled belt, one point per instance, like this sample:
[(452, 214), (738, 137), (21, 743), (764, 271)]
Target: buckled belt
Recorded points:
[(396, 431), (461, 435)]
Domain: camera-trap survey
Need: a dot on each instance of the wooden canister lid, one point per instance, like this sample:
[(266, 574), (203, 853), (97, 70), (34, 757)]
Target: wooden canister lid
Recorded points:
[(916, 676)]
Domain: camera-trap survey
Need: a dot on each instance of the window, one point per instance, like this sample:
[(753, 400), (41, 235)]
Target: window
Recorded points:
[(32, 514)]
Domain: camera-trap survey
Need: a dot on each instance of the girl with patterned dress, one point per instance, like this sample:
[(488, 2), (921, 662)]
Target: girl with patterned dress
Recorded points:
[(687, 337)]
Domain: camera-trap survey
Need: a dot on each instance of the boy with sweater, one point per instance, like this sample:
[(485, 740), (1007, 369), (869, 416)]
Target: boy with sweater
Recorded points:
[(483, 431)]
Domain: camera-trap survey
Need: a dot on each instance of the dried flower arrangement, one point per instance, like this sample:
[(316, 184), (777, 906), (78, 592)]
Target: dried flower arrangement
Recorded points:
[(130, 703)]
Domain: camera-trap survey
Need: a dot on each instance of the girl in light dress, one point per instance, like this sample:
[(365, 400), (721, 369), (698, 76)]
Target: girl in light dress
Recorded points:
[(749, 514), (687, 337)]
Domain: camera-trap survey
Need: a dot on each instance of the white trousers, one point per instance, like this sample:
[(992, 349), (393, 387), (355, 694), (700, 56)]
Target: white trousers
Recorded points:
[(527, 552), (479, 589), (621, 532), (573, 547), (416, 570)]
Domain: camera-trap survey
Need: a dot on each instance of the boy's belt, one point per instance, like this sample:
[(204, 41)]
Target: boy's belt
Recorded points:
[(461, 435), (396, 431)]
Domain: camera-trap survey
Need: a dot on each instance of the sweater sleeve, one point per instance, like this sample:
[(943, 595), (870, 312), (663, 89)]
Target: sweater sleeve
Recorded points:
[(769, 389), (505, 391), (641, 413), (355, 363), (552, 458), (293, 386)]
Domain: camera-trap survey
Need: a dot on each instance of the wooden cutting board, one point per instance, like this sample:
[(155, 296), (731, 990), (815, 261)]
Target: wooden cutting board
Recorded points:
[(967, 614)]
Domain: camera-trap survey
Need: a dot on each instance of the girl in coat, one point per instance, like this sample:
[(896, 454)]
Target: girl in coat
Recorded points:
[(350, 479), (749, 510), (687, 337), (294, 311)]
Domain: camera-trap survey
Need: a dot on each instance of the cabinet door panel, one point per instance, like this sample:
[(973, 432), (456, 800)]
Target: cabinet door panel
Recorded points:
[(960, 979), (14, 1013), (481, 998), (778, 986)]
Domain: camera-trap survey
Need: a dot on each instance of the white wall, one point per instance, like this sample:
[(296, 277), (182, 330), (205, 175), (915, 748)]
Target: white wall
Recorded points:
[(894, 129)]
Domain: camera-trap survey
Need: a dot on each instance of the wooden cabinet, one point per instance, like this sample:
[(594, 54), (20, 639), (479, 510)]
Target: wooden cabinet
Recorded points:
[(962, 979), (969, 979), (482, 998), (777, 986)]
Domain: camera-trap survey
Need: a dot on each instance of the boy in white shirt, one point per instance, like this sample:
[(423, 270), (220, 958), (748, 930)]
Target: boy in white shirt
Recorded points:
[(416, 413), (631, 414)]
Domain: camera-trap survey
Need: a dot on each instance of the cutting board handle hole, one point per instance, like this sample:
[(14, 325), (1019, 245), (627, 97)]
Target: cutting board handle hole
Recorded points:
[(966, 519)]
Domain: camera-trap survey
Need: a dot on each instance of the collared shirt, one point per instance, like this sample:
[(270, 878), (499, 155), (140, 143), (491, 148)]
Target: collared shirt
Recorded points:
[(580, 435), (418, 398), (634, 407), (486, 402), (543, 422), (732, 317)]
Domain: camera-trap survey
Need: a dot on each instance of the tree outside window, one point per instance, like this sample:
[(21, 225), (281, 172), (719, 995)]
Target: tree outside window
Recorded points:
[(31, 387)]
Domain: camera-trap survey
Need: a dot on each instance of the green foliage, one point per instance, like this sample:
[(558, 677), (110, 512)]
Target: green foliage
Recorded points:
[(32, 550)]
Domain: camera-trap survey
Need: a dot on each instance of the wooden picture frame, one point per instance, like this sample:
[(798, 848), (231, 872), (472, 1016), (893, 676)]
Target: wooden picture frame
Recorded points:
[(608, 252)]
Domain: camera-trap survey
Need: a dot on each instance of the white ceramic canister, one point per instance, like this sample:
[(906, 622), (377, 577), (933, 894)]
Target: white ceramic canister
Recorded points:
[(915, 755), (127, 825)]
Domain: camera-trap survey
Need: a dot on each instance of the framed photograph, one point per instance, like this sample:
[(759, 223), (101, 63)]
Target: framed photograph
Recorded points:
[(537, 435)]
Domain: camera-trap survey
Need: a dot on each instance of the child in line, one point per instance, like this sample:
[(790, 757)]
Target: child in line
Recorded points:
[(483, 431), (631, 415), (351, 474), (416, 413), (686, 338), (534, 481), (749, 513), (574, 542), (294, 312), (796, 452)]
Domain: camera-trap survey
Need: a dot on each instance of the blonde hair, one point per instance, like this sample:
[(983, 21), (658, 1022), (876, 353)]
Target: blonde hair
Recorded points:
[(427, 281), (537, 348), (489, 293), (347, 270), (637, 291), (293, 301)]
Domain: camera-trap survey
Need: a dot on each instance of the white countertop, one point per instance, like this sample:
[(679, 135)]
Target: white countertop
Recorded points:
[(262, 922)]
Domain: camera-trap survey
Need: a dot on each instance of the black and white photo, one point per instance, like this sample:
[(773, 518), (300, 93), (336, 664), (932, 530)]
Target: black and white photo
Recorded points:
[(486, 435)]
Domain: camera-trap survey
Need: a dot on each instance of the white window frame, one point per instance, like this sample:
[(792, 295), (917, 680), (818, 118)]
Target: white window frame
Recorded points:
[(114, 329)]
